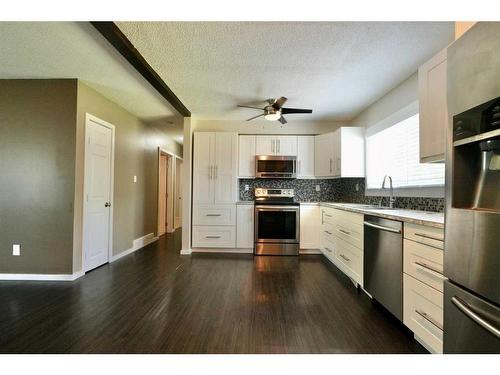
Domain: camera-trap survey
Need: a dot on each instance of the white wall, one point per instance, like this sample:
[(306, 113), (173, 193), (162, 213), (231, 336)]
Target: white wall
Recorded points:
[(398, 98), (266, 127)]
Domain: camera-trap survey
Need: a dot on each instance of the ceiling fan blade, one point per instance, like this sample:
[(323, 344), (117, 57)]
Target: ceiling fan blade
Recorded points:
[(282, 120), (278, 103), (251, 118), (248, 106), (295, 110)]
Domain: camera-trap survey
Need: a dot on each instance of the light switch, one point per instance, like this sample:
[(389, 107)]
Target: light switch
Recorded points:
[(16, 249), (135, 179), (318, 188)]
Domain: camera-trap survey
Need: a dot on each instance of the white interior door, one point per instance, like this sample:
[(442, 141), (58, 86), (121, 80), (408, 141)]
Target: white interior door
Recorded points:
[(162, 204), (98, 192)]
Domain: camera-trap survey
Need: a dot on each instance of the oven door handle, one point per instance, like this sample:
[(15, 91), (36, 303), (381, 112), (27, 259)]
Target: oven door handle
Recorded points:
[(277, 208)]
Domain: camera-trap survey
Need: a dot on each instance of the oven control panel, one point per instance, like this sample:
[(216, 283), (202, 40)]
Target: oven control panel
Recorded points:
[(263, 192)]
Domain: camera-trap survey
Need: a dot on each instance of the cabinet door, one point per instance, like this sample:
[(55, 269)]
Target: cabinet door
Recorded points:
[(323, 157), (286, 145), (203, 168), (350, 152), (225, 176), (265, 145), (337, 152), (244, 226), (433, 110), (305, 156), (309, 227), (246, 159)]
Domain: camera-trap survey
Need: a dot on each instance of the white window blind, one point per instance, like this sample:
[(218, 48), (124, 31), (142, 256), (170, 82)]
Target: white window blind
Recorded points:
[(395, 152)]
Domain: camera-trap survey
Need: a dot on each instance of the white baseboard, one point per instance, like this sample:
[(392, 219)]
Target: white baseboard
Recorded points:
[(41, 277), (186, 251), (137, 244), (309, 251), (222, 251)]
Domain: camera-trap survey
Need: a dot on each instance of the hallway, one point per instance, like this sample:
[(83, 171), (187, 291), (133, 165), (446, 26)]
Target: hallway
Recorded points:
[(156, 301)]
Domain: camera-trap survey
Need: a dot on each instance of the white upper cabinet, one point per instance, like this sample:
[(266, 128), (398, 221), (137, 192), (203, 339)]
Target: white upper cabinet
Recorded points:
[(276, 145), (305, 156), (340, 154), (433, 110), (215, 168), (286, 145), (246, 160)]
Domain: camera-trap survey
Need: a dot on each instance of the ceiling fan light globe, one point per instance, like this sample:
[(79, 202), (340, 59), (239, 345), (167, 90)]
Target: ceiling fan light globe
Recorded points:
[(273, 116)]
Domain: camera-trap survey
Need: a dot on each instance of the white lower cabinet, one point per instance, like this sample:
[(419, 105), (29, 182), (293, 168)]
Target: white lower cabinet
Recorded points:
[(423, 284), (423, 312), (341, 235), (214, 236), (309, 227), (244, 226)]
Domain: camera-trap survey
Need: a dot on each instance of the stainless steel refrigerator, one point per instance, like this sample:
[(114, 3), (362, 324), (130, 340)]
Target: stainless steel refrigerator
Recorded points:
[(472, 216)]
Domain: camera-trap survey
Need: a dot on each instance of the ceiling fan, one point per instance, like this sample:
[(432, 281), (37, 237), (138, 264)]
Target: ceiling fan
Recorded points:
[(274, 110)]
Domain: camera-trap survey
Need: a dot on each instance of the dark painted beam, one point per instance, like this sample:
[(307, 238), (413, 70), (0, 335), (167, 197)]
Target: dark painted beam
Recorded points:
[(114, 35)]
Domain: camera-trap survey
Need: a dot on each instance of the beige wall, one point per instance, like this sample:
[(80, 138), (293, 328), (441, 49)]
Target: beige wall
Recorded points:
[(37, 165), (136, 150)]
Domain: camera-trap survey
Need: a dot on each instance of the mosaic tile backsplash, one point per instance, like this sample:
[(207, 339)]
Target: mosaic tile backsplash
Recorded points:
[(348, 190)]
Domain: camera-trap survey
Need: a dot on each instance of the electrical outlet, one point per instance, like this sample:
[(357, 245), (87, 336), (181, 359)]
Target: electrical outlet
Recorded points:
[(318, 188), (16, 250), (247, 187), (357, 187), (135, 179)]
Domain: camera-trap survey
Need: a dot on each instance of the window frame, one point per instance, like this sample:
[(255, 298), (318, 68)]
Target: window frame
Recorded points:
[(436, 191)]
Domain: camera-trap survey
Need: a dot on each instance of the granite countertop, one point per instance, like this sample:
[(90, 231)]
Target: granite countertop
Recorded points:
[(431, 219)]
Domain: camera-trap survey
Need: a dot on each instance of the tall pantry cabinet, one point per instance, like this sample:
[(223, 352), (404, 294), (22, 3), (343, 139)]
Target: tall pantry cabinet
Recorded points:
[(215, 189)]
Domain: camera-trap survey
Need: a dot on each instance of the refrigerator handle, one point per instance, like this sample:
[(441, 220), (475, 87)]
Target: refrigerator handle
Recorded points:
[(474, 316)]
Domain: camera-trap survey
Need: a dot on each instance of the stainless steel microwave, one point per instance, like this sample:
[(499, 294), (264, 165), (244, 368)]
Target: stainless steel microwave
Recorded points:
[(271, 166)]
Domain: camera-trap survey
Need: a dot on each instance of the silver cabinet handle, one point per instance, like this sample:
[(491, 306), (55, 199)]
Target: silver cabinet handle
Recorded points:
[(212, 236), (327, 215), (327, 249), (331, 161), (429, 319), (327, 232), (209, 172), (344, 231), (279, 146), (344, 257), (273, 145), (216, 171), (213, 215), (475, 317), (300, 167), (382, 227), (432, 270), (428, 236)]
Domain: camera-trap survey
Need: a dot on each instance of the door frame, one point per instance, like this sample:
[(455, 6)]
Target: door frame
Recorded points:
[(88, 119), (170, 181)]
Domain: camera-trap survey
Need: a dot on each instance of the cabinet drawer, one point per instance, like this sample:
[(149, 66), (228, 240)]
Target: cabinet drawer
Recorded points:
[(351, 233), (424, 263), (214, 215), (214, 236), (427, 235), (423, 312), (327, 231), (327, 248), (327, 215), (351, 258)]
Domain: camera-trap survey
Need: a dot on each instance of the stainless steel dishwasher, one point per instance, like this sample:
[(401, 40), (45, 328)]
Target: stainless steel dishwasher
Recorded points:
[(383, 262)]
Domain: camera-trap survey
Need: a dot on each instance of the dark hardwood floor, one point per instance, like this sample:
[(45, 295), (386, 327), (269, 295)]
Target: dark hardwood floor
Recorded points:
[(156, 301)]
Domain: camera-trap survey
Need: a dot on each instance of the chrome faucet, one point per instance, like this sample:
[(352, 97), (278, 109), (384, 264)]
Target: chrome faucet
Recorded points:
[(392, 199)]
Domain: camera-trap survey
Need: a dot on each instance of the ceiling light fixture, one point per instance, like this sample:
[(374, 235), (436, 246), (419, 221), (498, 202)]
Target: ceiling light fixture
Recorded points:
[(272, 115)]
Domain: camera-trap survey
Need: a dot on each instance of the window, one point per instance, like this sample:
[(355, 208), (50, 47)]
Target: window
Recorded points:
[(394, 151)]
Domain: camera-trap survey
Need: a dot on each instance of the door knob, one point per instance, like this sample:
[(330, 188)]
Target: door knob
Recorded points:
[(107, 204)]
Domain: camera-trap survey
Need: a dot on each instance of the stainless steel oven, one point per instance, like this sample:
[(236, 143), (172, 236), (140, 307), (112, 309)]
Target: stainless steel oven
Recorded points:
[(272, 166), (277, 219)]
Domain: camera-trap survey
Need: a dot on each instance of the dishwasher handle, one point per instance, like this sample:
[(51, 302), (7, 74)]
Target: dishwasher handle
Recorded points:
[(387, 229)]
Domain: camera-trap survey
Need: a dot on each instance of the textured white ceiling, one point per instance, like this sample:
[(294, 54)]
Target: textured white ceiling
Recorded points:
[(77, 50), (335, 68)]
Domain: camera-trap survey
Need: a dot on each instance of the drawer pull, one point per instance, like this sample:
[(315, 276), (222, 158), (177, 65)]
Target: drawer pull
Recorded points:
[(475, 317), (344, 231), (429, 319), (212, 236), (327, 249), (430, 269), (344, 257), (328, 232), (424, 235), (213, 215), (327, 215)]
